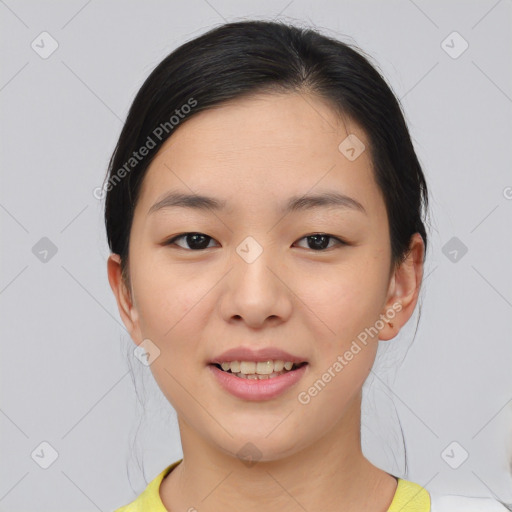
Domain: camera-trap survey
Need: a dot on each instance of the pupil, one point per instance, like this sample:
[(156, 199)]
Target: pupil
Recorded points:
[(194, 241), (320, 245)]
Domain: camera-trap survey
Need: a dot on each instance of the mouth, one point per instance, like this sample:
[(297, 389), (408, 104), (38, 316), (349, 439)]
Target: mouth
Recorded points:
[(257, 381), (260, 370)]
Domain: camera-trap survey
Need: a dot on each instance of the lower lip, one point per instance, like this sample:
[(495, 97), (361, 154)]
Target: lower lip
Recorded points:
[(255, 389)]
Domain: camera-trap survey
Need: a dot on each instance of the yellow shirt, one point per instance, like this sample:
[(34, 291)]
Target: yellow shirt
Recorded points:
[(409, 496)]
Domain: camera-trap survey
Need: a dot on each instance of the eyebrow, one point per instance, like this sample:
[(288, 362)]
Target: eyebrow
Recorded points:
[(329, 199)]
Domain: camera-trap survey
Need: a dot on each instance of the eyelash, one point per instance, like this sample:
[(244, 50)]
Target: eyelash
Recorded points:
[(183, 235)]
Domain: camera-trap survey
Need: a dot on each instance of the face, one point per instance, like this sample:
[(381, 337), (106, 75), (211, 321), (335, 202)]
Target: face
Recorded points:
[(256, 276)]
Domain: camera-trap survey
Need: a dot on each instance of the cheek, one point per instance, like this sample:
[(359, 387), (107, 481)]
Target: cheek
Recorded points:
[(346, 298), (166, 299), (170, 315)]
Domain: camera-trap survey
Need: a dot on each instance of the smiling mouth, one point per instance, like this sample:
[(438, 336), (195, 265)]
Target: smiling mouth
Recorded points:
[(249, 370)]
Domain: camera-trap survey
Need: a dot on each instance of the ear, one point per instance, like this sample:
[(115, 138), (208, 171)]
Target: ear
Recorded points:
[(127, 309), (403, 291)]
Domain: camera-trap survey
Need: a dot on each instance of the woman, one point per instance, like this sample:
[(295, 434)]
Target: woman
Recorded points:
[(264, 211)]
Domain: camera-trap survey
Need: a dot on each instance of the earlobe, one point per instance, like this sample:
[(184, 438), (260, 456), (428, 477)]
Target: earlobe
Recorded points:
[(123, 296)]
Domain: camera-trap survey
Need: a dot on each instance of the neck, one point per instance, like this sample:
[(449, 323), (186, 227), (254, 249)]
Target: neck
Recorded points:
[(330, 474)]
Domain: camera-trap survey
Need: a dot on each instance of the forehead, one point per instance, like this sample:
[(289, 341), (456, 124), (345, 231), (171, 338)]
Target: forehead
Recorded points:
[(266, 147)]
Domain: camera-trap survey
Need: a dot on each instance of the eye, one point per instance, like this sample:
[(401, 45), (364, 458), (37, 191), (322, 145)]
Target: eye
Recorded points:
[(196, 241), (199, 241), (319, 241)]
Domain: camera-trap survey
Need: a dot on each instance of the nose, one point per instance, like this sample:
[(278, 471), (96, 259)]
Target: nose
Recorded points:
[(257, 291)]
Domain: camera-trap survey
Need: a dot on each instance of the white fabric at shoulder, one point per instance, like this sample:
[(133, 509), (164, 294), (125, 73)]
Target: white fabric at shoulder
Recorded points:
[(455, 503)]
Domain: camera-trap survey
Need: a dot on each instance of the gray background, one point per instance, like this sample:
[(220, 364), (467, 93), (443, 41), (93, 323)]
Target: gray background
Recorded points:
[(64, 370)]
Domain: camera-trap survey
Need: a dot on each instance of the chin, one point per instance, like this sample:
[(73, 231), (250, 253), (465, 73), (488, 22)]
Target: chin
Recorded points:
[(250, 449)]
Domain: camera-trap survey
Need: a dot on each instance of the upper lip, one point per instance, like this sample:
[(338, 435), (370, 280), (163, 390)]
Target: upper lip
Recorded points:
[(251, 354)]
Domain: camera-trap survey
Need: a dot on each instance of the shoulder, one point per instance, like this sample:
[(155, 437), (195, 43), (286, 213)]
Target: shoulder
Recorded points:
[(149, 500), (410, 497), (455, 503)]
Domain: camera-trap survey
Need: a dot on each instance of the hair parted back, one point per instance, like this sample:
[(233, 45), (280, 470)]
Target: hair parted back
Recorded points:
[(248, 57)]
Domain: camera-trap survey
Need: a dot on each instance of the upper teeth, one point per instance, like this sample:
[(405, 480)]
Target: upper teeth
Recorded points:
[(260, 367)]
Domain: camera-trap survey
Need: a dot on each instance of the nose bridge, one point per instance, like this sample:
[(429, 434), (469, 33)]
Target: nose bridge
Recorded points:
[(252, 261), (255, 293), (250, 250)]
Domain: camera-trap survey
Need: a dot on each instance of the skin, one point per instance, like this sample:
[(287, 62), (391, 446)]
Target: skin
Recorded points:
[(194, 304)]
